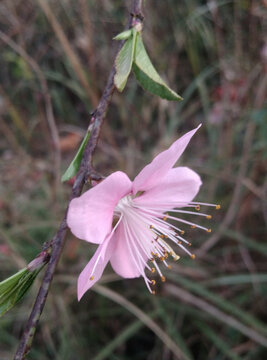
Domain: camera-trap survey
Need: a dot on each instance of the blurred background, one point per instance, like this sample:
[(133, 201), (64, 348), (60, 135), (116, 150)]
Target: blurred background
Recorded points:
[(55, 59)]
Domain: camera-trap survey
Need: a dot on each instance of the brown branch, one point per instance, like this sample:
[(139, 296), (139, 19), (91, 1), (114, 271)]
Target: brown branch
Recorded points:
[(86, 172)]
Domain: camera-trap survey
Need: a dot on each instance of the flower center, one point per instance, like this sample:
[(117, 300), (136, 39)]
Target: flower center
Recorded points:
[(123, 204), (148, 235)]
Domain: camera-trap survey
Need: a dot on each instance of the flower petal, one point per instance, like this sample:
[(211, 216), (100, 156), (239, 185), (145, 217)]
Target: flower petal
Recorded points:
[(94, 269), (90, 215), (177, 188), (122, 259), (153, 173)]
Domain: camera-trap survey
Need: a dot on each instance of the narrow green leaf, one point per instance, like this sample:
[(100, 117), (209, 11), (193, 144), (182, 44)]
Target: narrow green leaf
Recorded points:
[(76, 162), (10, 282), (124, 62), (147, 75), (124, 35), (15, 287)]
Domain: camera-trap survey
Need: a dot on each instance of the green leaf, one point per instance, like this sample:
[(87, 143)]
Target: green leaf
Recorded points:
[(124, 35), (147, 75), (76, 162), (15, 287), (124, 62)]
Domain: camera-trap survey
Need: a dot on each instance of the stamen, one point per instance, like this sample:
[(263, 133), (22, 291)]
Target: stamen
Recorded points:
[(158, 269)]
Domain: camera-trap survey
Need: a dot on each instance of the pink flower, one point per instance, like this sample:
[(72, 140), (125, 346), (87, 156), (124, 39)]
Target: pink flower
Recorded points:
[(129, 218)]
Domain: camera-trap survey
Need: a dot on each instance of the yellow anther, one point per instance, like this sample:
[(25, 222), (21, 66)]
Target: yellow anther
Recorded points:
[(150, 226), (209, 230), (153, 282), (169, 266), (182, 232), (153, 270), (179, 242), (197, 207), (218, 207), (193, 256), (193, 226), (91, 278), (163, 279), (189, 244), (162, 258), (161, 236), (165, 218), (166, 236), (153, 292), (208, 217), (176, 257)]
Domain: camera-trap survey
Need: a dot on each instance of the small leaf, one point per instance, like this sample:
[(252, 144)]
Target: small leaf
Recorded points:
[(76, 162), (123, 35), (147, 75), (124, 62), (15, 287)]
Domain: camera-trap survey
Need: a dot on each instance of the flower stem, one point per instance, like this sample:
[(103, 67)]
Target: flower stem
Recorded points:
[(86, 171)]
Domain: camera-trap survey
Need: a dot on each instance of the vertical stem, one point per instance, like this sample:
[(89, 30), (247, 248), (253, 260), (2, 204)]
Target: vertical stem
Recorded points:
[(59, 239)]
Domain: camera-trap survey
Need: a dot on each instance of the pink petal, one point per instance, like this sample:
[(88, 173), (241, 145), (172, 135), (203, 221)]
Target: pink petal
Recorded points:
[(122, 260), (96, 265), (90, 215), (154, 172), (177, 188)]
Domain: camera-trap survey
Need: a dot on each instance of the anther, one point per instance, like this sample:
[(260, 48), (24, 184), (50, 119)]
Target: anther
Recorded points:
[(165, 218), (163, 279), (209, 230), (162, 258), (153, 282), (208, 217), (182, 232), (91, 278), (176, 257), (179, 242), (166, 236), (150, 226), (161, 236), (193, 226), (153, 270), (193, 256), (197, 207), (218, 207), (169, 266), (153, 292), (189, 244)]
